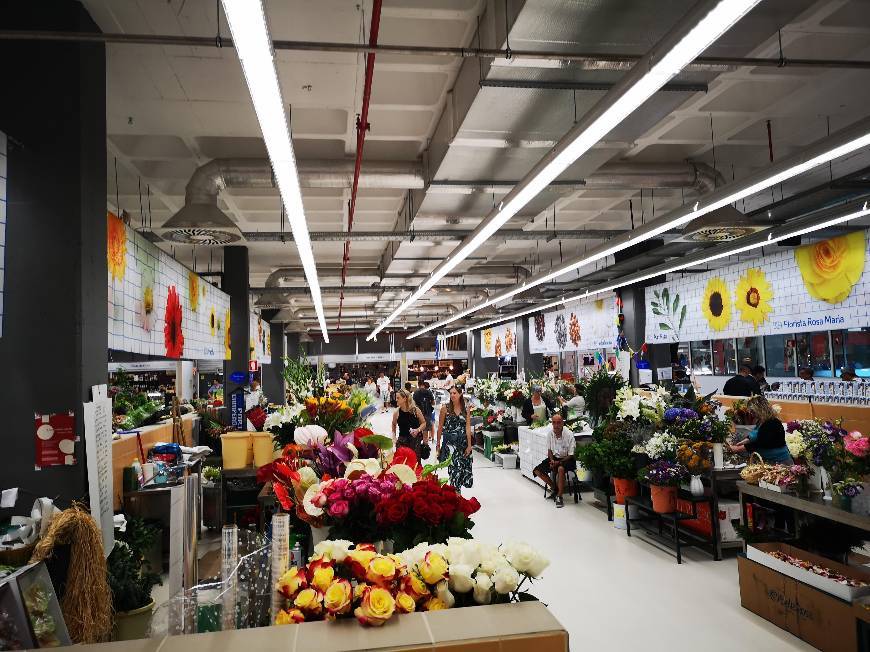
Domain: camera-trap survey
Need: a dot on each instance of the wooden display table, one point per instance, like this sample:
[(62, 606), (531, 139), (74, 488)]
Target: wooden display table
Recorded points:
[(126, 449), (855, 417)]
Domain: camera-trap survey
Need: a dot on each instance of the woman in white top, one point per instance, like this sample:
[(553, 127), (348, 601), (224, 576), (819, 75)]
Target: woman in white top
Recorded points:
[(371, 389)]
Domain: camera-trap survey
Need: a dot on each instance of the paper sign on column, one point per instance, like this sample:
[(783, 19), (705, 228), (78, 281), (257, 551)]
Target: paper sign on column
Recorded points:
[(98, 450)]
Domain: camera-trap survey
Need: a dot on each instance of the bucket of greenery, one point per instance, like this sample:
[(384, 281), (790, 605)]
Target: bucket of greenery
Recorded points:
[(132, 579)]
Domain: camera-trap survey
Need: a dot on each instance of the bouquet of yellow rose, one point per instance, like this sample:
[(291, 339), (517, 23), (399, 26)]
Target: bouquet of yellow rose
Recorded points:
[(343, 580)]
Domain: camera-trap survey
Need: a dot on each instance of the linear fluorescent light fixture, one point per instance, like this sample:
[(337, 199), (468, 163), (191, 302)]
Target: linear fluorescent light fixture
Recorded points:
[(766, 238), (839, 144), (250, 32), (697, 31)]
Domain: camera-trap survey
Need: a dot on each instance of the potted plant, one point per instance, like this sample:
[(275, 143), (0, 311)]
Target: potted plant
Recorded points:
[(845, 491), (619, 465), (599, 393), (131, 580), (664, 477)]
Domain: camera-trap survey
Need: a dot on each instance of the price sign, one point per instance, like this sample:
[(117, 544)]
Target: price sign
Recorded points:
[(253, 365)]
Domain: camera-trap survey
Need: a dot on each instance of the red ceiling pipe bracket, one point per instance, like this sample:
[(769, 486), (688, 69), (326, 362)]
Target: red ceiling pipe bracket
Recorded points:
[(362, 126)]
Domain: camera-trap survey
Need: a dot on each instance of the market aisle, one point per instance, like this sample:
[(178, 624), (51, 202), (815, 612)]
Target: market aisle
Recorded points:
[(612, 592)]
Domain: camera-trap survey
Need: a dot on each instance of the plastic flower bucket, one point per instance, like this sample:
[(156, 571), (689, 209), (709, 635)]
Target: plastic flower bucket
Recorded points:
[(664, 499), (263, 448), (238, 450), (625, 489)]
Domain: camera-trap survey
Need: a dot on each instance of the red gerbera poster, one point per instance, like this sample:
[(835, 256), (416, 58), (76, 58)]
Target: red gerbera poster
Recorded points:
[(173, 336), (55, 436)]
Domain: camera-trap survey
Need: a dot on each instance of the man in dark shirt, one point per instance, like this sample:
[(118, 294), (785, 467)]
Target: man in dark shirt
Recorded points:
[(743, 384), (425, 400)]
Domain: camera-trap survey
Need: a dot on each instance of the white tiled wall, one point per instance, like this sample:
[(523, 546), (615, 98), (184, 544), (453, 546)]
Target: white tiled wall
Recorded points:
[(3, 173), (126, 332), (794, 310)]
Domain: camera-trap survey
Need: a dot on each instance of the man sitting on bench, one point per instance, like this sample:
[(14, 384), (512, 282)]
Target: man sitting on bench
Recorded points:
[(560, 457)]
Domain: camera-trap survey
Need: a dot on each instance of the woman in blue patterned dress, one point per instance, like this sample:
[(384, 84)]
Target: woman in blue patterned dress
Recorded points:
[(454, 438)]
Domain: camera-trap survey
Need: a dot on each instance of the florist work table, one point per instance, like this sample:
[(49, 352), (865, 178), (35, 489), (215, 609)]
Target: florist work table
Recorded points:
[(126, 449), (815, 506), (855, 417)]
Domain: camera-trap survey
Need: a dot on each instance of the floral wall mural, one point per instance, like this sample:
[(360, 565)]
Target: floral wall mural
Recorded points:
[(819, 286), (159, 307), (499, 340), (579, 326)]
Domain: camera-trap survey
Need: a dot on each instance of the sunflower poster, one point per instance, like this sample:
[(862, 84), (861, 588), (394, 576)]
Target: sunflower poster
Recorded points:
[(579, 326), (499, 341), (157, 306), (818, 286), (260, 346)]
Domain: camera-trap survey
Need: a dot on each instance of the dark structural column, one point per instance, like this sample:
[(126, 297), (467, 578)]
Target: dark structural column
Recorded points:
[(236, 284), (55, 334), (273, 379)]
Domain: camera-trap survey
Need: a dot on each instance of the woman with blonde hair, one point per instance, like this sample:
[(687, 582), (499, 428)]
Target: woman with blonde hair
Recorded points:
[(409, 424), (768, 437)]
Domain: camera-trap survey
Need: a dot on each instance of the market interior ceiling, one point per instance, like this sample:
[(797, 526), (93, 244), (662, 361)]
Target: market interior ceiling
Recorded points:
[(450, 135)]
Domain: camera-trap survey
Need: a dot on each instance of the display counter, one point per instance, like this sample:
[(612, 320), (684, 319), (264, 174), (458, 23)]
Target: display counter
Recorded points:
[(518, 626), (126, 449), (855, 417)]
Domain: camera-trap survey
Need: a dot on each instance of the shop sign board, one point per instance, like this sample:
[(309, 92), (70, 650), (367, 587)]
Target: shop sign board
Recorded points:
[(578, 326), (253, 366), (819, 286), (238, 377)]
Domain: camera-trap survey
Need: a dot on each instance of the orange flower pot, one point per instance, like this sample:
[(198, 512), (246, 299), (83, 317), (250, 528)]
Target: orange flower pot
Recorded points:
[(625, 489), (664, 499)]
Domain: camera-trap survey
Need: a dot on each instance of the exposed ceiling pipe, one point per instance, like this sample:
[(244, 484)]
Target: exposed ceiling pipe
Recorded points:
[(431, 236), (273, 281), (362, 126), (538, 84), (272, 294), (583, 60)]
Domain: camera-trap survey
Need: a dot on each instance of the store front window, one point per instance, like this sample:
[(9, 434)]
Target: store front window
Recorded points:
[(779, 355), (813, 352), (749, 351), (702, 358), (724, 357), (852, 349)]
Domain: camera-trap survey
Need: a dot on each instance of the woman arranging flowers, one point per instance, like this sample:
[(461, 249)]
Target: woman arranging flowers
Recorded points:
[(536, 409), (409, 424), (768, 438), (454, 440)]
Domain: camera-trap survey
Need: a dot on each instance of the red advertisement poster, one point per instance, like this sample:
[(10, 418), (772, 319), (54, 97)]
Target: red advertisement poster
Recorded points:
[(55, 436)]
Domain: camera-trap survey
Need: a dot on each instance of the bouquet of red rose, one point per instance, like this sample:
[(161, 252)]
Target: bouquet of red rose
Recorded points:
[(426, 511)]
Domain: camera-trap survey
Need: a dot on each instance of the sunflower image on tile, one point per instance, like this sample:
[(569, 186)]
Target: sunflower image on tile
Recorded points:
[(753, 296), (716, 304), (831, 268)]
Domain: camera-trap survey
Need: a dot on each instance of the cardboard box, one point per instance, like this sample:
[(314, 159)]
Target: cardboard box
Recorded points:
[(821, 620), (758, 553), (494, 628)]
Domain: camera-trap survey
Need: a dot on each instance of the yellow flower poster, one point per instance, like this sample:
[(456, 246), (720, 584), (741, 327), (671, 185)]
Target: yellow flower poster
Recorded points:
[(815, 287)]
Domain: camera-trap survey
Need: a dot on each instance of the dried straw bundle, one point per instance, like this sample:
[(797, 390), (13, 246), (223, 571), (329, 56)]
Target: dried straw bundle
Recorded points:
[(87, 602)]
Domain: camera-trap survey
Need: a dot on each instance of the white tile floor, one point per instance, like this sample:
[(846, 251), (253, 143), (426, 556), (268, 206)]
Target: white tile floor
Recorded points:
[(612, 592)]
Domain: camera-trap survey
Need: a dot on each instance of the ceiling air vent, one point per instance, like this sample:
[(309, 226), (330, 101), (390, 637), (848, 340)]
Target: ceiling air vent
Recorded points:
[(200, 224), (722, 225)]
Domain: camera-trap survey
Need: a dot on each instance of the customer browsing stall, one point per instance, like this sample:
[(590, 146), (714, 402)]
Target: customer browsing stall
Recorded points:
[(383, 384), (560, 457), (454, 439), (536, 407), (409, 424), (768, 437), (743, 384)]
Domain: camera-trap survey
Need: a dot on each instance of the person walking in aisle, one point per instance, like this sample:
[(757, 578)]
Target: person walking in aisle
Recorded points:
[(425, 400), (409, 424), (384, 390), (454, 440), (371, 388)]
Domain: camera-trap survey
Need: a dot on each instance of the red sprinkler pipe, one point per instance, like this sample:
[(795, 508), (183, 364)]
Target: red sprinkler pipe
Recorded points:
[(362, 126)]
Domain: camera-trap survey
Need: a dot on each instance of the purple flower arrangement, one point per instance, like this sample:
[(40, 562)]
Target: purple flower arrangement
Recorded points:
[(664, 473), (676, 415)]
